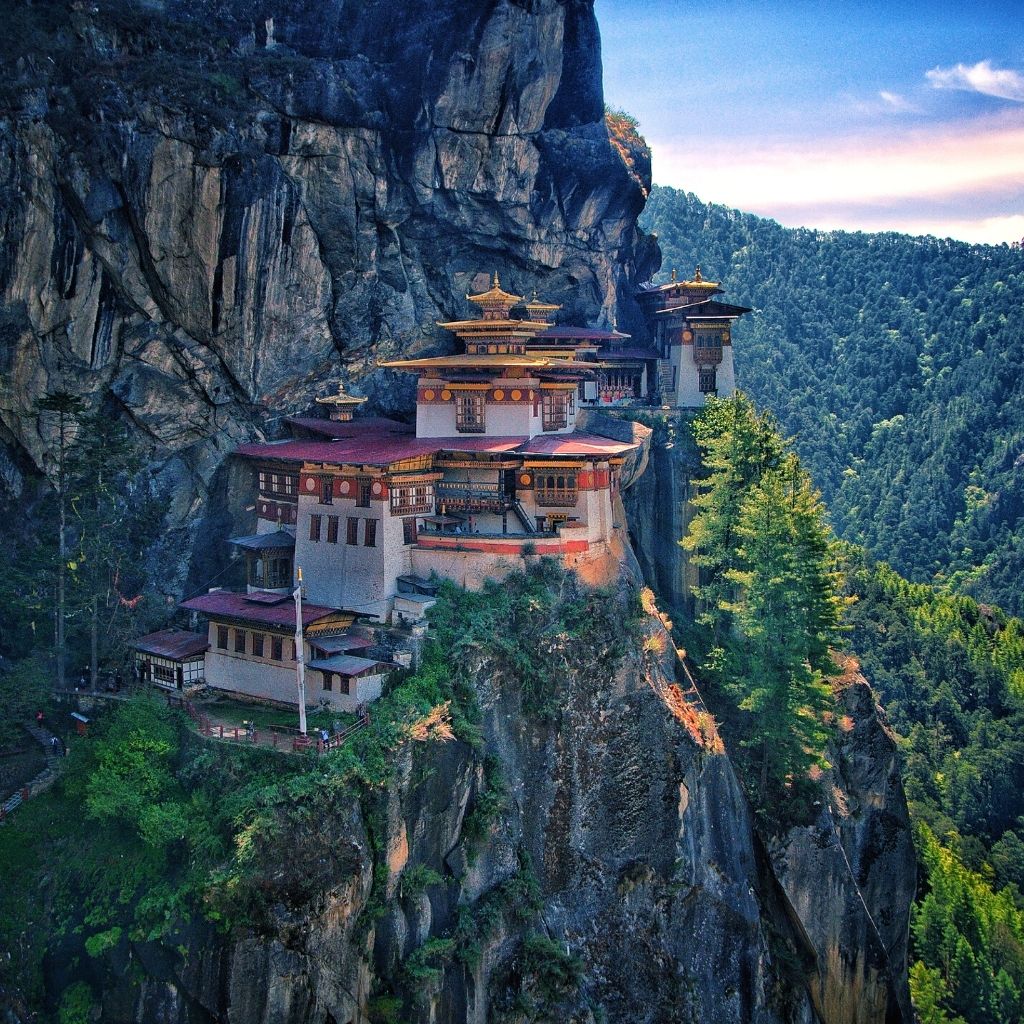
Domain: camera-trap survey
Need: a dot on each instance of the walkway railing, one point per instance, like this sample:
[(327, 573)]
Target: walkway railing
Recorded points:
[(278, 737)]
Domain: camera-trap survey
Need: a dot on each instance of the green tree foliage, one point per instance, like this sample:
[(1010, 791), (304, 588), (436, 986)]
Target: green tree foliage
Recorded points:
[(969, 941), (897, 364), (770, 591), (113, 547)]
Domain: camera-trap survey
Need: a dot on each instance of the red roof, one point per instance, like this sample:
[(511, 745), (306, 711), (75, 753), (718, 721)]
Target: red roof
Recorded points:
[(175, 644), (574, 444), (226, 604), (374, 450)]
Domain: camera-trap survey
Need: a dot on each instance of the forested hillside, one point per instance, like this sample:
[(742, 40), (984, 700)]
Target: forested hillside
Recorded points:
[(949, 672), (898, 365)]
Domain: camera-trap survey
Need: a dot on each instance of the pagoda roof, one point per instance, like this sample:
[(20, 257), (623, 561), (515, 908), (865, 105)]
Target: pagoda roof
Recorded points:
[(706, 309), (495, 296), (341, 399), (173, 644), (499, 328), (279, 540), (696, 283), (579, 333), (261, 607)]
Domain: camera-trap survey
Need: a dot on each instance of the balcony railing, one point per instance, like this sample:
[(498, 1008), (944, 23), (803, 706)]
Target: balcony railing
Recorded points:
[(707, 355), (554, 496)]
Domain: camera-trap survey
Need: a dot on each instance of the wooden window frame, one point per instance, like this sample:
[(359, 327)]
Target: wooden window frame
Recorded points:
[(556, 490), (222, 638), (554, 408), (240, 638), (332, 529), (470, 412), (258, 642), (314, 528), (409, 530), (277, 648), (370, 533), (352, 531)]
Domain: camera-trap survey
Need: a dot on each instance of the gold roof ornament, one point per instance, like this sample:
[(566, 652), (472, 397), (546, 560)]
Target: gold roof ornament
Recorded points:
[(495, 297), (342, 405), (699, 284), (540, 310)]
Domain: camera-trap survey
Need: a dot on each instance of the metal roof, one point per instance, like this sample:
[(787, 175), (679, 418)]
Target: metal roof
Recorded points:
[(581, 333), (345, 665), (339, 644), (249, 608), (278, 540), (173, 644)]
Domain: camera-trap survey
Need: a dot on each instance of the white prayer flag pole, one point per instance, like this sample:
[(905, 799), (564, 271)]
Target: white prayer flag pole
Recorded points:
[(300, 663)]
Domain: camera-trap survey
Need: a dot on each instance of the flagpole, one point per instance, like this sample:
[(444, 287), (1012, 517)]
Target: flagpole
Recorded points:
[(300, 663)]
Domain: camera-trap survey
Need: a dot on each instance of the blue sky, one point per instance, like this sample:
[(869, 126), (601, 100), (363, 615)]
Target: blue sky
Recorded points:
[(904, 116)]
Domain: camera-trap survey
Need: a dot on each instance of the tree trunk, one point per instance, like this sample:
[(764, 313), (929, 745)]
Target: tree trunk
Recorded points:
[(94, 628), (61, 563)]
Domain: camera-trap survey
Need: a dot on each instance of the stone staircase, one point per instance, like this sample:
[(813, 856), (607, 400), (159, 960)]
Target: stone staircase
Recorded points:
[(46, 778)]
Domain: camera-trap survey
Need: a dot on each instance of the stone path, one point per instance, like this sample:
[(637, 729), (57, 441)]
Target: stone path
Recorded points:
[(46, 778)]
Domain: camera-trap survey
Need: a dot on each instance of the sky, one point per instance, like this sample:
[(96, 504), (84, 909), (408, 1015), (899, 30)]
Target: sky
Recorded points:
[(899, 116)]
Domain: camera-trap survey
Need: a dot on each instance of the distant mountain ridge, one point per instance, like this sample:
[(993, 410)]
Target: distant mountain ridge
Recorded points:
[(898, 364)]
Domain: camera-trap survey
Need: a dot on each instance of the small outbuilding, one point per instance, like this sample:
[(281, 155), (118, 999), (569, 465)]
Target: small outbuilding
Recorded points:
[(172, 658)]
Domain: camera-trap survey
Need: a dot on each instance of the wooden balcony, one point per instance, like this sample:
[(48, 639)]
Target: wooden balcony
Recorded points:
[(707, 355)]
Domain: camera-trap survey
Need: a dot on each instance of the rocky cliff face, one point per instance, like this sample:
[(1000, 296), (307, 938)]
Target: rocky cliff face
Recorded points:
[(209, 210), (622, 881)]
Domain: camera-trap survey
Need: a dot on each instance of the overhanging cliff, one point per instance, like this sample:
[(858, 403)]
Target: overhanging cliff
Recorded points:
[(211, 209)]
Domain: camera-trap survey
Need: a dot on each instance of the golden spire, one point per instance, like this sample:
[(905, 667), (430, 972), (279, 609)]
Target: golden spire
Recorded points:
[(697, 276), (496, 283), (341, 405), (673, 275)]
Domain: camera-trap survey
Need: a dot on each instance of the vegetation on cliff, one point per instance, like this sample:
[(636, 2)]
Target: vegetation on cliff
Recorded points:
[(156, 835), (897, 364), (770, 601), (950, 673)]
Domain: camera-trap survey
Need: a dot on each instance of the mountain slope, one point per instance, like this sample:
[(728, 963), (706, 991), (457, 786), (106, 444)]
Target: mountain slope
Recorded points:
[(898, 365)]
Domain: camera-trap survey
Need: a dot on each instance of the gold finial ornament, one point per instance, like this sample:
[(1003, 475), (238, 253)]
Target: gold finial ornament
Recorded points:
[(674, 276), (341, 406), (697, 275)]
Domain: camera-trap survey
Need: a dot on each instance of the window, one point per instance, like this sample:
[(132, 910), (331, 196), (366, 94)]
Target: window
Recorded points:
[(239, 641), (469, 413), (326, 490), (554, 409), (222, 638), (163, 671), (257, 645), (332, 529), (279, 573), (370, 536), (409, 531), (328, 681), (279, 485), (314, 528), (363, 492), (408, 498), (276, 648), (555, 489), (706, 380), (352, 530)]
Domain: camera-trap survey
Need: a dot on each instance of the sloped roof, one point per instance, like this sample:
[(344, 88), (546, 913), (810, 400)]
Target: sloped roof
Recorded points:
[(249, 608), (174, 644)]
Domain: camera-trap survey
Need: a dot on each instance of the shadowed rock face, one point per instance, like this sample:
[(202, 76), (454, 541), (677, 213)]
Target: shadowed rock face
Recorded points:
[(208, 261)]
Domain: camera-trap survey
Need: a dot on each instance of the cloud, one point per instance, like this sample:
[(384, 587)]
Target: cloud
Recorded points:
[(981, 77), (937, 173), (897, 104)]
